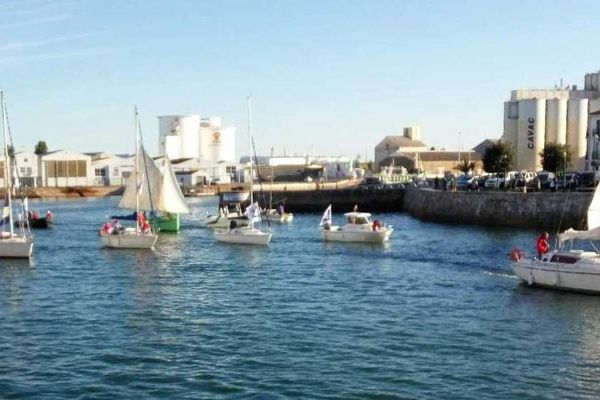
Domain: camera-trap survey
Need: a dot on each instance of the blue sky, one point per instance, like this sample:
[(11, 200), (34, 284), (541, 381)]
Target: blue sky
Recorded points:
[(330, 77)]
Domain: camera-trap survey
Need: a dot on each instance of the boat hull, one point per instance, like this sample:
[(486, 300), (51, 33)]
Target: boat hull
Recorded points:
[(356, 236), (584, 278), (224, 222), (129, 240), (165, 223), (248, 236), (16, 247), (285, 218)]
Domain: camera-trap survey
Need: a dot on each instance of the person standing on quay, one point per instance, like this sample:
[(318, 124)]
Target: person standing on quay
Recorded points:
[(542, 245)]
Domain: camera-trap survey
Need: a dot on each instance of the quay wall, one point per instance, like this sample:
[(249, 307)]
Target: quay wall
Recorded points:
[(550, 211), (342, 200)]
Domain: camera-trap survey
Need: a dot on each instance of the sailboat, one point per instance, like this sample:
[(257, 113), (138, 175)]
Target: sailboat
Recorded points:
[(276, 215), (170, 201), (137, 196), (247, 234), (12, 244), (566, 268)]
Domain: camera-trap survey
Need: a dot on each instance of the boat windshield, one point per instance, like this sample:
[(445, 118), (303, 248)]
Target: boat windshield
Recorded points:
[(357, 220)]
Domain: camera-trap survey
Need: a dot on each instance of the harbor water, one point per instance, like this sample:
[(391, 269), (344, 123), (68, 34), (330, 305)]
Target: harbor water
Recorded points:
[(434, 314)]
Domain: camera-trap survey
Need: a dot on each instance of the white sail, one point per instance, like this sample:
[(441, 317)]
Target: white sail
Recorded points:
[(326, 218), (149, 183), (161, 188), (171, 199), (593, 214), (253, 212)]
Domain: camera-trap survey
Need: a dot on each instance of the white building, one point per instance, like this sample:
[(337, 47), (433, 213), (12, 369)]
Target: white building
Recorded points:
[(567, 115), (190, 136), (409, 143), (27, 168), (65, 168), (110, 169)]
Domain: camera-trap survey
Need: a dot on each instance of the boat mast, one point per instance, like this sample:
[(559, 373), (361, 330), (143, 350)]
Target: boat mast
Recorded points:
[(251, 155), (7, 174), (137, 182)]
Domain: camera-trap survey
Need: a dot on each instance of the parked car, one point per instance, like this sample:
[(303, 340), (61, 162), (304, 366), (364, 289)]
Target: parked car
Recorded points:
[(491, 181), (547, 180), (527, 179), (466, 182), (589, 179), (568, 181), (508, 180), (481, 180)]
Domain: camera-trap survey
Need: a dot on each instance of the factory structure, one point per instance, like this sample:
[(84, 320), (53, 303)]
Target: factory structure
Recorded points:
[(563, 115), (201, 149)]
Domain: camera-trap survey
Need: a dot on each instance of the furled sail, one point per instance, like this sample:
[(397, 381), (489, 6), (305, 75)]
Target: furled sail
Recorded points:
[(593, 221)]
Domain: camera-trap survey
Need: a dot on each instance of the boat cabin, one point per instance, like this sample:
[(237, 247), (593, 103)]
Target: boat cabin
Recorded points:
[(357, 218)]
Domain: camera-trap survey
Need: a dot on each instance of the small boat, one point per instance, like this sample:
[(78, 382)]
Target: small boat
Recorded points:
[(247, 234), (277, 216), (13, 243), (37, 222), (230, 209), (137, 195), (358, 228), (565, 269)]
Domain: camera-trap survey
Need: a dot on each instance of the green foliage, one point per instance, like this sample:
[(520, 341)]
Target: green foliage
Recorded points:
[(41, 148), (465, 166), (498, 157), (556, 157)]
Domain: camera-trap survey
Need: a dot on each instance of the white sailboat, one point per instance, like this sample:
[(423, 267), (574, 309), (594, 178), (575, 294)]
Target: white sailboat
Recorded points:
[(137, 195), (566, 269), (247, 234), (358, 228), (276, 215), (12, 244)]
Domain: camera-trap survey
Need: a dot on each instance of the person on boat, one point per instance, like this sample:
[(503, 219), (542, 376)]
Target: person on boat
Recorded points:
[(542, 245), (146, 226), (106, 229), (116, 226), (280, 210)]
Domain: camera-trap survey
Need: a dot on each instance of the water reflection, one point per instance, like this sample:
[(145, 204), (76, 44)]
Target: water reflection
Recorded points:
[(15, 277)]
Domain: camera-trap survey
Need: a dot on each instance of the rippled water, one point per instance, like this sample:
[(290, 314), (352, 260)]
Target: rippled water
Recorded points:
[(434, 314)]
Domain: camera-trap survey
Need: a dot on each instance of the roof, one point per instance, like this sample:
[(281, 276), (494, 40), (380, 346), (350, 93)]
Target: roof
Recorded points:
[(481, 147), (394, 142), (357, 214)]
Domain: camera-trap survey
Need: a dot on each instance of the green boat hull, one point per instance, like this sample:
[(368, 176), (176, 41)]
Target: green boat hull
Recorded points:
[(167, 223)]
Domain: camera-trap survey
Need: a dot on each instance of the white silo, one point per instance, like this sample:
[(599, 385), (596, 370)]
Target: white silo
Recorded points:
[(208, 134), (510, 123), (577, 123), (556, 121), (531, 131), (225, 150), (180, 129)]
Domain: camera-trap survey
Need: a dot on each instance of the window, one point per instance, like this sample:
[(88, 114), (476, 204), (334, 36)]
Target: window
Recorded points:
[(230, 169), (81, 169), (513, 110), (22, 169), (51, 169), (72, 168), (126, 174), (116, 171), (100, 172)]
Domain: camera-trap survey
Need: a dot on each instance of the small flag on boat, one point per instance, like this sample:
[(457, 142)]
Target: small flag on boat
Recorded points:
[(253, 212), (326, 219)]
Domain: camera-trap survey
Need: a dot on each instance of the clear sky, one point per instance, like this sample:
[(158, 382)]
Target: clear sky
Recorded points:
[(329, 77)]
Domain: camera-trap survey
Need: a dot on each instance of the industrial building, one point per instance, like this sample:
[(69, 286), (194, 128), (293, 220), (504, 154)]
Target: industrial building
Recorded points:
[(110, 169), (301, 168), (63, 168), (565, 115)]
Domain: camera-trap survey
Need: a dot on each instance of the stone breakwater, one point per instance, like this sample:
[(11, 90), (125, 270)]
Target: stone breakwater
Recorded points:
[(551, 211)]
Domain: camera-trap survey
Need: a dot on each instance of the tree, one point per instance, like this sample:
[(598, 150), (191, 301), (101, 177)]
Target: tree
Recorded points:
[(465, 166), (41, 148), (556, 157), (498, 157)]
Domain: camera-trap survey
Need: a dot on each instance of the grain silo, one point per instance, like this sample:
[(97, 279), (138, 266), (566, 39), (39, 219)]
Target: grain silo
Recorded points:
[(178, 136), (531, 132), (556, 121), (511, 113), (577, 123)]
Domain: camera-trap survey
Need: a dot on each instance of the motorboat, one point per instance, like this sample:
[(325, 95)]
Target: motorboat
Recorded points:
[(566, 268), (139, 188), (230, 209), (14, 243), (36, 221), (358, 228)]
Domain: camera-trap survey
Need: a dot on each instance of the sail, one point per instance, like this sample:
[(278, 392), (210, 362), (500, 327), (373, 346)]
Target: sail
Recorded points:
[(326, 219), (149, 182), (171, 199), (253, 212), (570, 234), (593, 214)]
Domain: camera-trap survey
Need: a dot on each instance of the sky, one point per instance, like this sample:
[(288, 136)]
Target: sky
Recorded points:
[(326, 77)]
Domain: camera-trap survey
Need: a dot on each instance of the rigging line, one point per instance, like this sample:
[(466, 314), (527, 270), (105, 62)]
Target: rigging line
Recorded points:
[(258, 175), (146, 167), (13, 161)]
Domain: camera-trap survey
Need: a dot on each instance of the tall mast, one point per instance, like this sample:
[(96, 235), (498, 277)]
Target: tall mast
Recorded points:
[(7, 173), (251, 154), (137, 167)]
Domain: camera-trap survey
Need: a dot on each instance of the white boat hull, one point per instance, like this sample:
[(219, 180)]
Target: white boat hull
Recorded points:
[(337, 234), (128, 240), (285, 218), (223, 222), (243, 236), (16, 247), (583, 276)]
